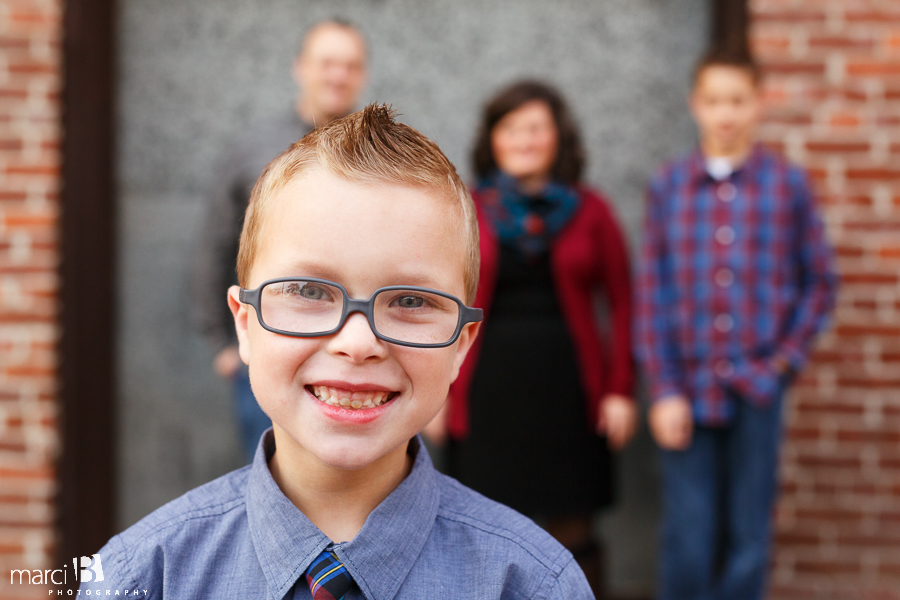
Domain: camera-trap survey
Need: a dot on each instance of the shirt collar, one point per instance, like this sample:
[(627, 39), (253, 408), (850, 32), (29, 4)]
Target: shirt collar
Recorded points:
[(697, 164), (378, 558)]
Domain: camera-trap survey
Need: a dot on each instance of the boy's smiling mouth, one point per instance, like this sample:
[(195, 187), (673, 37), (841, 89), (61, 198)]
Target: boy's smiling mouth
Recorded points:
[(351, 399)]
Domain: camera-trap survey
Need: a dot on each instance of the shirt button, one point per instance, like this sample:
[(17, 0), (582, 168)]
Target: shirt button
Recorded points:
[(724, 323), (724, 278), (725, 235), (724, 368), (727, 192)]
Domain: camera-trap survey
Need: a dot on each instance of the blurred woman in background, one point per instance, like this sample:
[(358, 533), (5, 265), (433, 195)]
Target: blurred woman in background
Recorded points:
[(541, 399)]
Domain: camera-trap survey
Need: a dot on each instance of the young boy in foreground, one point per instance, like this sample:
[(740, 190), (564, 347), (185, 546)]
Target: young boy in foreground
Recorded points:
[(358, 243), (734, 282)]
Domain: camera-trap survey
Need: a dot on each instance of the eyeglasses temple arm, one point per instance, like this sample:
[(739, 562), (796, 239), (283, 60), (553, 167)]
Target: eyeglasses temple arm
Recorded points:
[(472, 315)]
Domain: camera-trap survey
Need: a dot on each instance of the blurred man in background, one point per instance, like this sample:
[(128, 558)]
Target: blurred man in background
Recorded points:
[(330, 72)]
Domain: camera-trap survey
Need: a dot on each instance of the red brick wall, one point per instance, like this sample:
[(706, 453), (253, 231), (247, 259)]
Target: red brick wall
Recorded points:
[(29, 183), (833, 86)]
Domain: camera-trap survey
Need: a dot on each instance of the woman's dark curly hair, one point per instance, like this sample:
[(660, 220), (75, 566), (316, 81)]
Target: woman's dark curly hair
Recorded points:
[(570, 157)]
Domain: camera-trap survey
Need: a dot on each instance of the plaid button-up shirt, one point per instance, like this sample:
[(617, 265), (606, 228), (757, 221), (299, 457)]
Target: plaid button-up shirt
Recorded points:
[(731, 274)]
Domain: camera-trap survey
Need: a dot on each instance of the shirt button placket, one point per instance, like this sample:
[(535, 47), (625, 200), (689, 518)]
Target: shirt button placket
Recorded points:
[(724, 277)]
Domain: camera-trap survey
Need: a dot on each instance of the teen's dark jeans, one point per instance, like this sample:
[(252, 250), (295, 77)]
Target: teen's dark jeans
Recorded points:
[(717, 505)]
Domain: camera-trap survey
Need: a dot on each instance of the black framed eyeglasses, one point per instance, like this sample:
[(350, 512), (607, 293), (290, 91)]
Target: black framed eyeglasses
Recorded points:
[(406, 315)]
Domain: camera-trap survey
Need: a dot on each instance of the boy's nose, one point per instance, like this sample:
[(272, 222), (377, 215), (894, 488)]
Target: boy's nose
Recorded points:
[(356, 341)]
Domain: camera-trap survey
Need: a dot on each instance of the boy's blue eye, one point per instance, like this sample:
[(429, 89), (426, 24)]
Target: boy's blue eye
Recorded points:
[(410, 301), (308, 291)]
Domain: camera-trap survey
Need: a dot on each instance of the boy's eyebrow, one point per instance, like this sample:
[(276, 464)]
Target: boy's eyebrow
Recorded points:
[(323, 271), (311, 270), (418, 280)]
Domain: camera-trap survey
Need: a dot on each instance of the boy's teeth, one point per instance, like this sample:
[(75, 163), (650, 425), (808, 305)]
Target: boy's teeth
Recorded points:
[(348, 399)]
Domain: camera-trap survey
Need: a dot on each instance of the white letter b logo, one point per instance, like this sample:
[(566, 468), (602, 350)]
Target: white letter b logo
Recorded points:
[(91, 570)]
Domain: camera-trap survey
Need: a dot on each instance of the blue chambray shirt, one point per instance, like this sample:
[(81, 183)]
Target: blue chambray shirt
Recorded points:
[(432, 537)]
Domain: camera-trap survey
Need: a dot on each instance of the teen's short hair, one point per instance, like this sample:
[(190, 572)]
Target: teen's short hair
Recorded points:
[(570, 156), (366, 146), (723, 57)]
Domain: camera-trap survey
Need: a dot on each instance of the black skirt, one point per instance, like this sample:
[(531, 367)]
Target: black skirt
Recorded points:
[(530, 445)]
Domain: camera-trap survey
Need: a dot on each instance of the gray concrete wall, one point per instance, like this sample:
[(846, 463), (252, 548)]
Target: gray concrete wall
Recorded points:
[(193, 73)]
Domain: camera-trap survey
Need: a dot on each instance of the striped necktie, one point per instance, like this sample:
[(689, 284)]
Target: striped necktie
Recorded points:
[(328, 578)]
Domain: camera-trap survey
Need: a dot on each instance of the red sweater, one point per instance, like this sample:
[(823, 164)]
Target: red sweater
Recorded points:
[(587, 256)]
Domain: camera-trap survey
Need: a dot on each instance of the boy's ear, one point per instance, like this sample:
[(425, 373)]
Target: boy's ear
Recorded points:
[(240, 312), (466, 339)]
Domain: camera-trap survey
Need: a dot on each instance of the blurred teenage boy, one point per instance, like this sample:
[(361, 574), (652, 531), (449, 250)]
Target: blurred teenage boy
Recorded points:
[(357, 259), (734, 282)]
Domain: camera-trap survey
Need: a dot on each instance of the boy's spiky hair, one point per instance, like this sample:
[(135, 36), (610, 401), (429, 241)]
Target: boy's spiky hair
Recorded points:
[(366, 146), (725, 57)]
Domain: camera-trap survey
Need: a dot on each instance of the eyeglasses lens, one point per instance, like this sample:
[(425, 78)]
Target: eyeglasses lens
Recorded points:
[(301, 306), (416, 316)]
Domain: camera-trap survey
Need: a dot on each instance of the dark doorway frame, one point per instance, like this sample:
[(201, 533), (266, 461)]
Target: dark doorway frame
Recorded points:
[(86, 503), (87, 241), (730, 25)]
